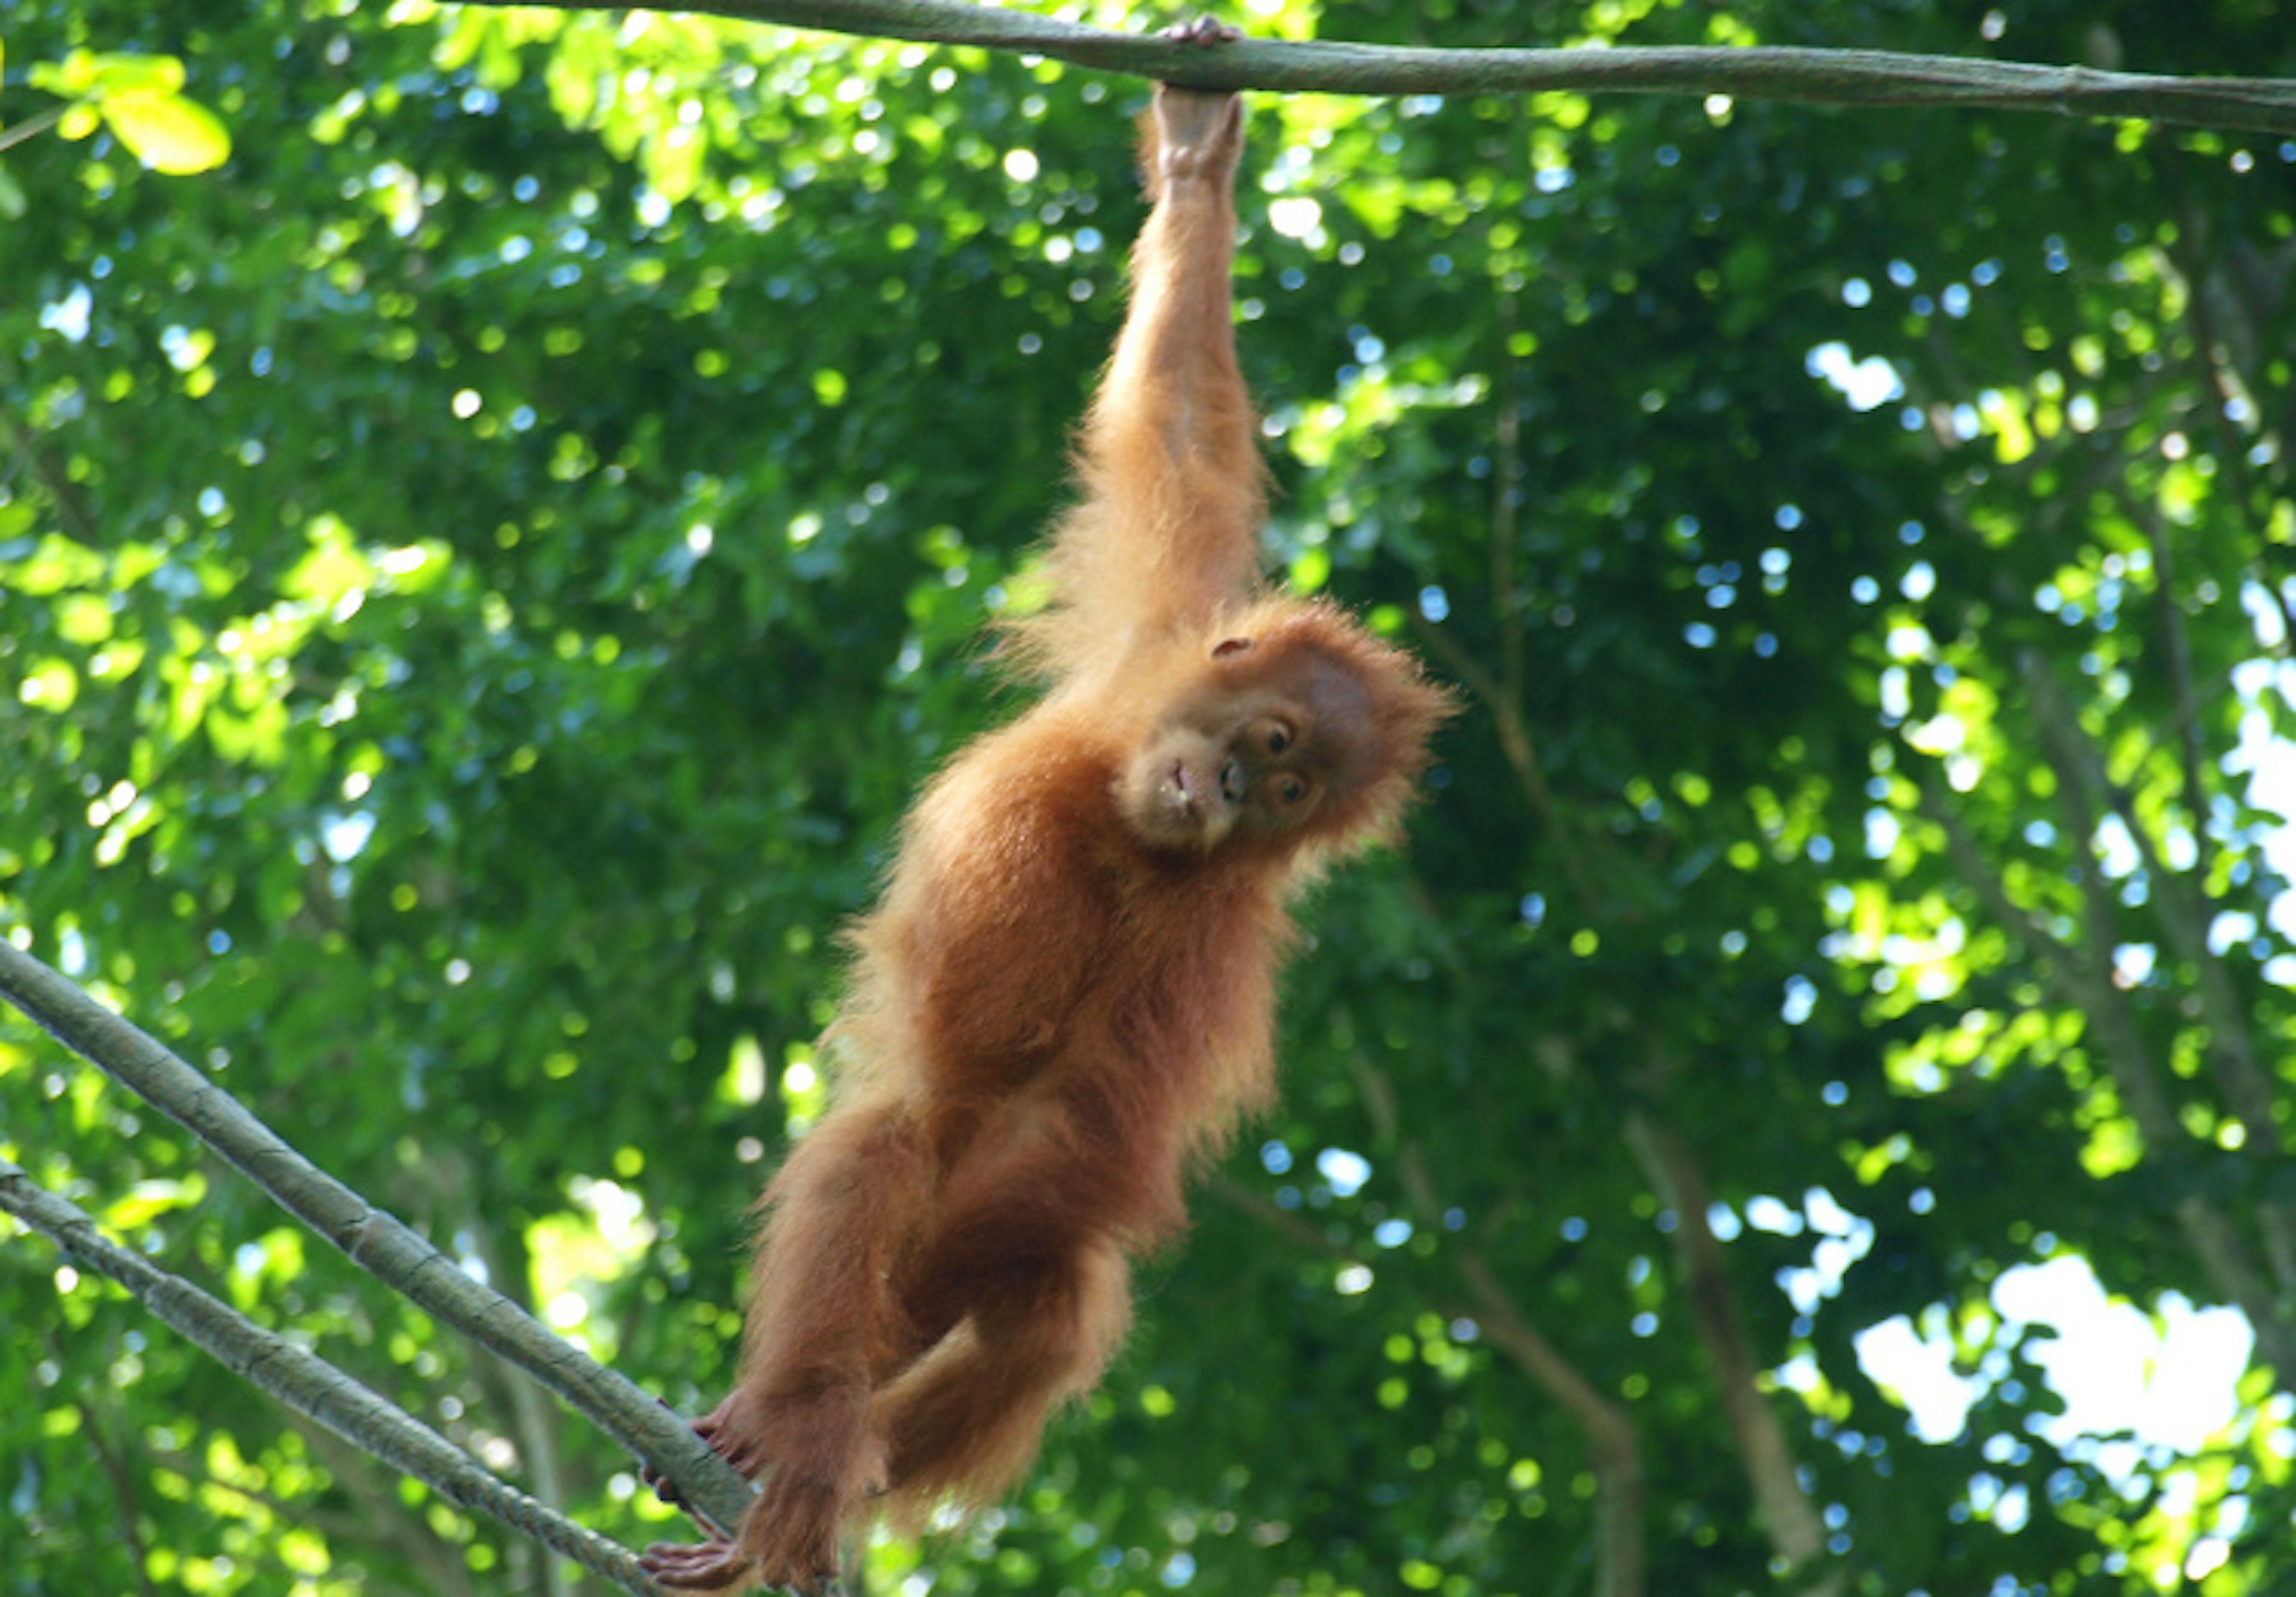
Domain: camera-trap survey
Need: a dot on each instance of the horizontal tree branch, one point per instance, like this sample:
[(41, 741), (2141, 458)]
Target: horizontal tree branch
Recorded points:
[(1811, 76), (378, 1242), (310, 1385)]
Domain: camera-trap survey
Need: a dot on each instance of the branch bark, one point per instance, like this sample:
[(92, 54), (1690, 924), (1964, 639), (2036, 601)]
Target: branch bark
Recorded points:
[(1612, 1450), (1809, 76), (1797, 1535), (2248, 1086), (116, 1472), (376, 1242), (310, 1385), (2084, 983), (1612, 1447)]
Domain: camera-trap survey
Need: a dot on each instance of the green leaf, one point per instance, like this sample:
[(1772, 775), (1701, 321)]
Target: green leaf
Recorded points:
[(54, 564), (167, 131), (51, 684), (333, 569), (94, 74)]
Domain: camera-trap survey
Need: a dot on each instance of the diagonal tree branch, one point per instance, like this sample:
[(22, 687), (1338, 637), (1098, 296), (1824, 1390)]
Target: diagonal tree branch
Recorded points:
[(1613, 1451), (310, 1385), (2083, 983), (2241, 1075), (1621, 1560), (1788, 1516), (116, 1473), (1811, 76), (376, 1242)]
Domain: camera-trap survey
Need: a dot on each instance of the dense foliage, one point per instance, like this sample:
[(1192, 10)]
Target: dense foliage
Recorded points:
[(482, 569)]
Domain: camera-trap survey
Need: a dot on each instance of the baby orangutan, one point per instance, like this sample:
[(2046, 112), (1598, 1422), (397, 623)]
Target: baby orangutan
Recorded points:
[(1066, 993)]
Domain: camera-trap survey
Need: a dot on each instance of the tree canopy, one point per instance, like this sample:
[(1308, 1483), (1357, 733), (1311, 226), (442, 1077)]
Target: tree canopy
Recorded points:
[(496, 510)]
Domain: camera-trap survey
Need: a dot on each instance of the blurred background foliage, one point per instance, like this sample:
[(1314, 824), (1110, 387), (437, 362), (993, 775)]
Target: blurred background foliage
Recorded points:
[(482, 569)]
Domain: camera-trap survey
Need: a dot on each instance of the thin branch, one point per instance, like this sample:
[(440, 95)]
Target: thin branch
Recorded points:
[(364, 1507), (1507, 491), (534, 1417), (1516, 744), (376, 1242), (2177, 644), (116, 1471), (31, 127), (1612, 1450), (2184, 912), (1796, 1535), (2082, 984), (1811, 76), (2077, 979), (2183, 915), (310, 1385), (1611, 1443)]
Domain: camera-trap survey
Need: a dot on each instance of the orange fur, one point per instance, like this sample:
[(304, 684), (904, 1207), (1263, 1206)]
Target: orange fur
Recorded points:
[(1055, 1009)]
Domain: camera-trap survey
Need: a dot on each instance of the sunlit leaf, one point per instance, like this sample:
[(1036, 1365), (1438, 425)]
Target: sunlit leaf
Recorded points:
[(167, 132), (54, 564), (147, 1200), (50, 684), (333, 570)]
